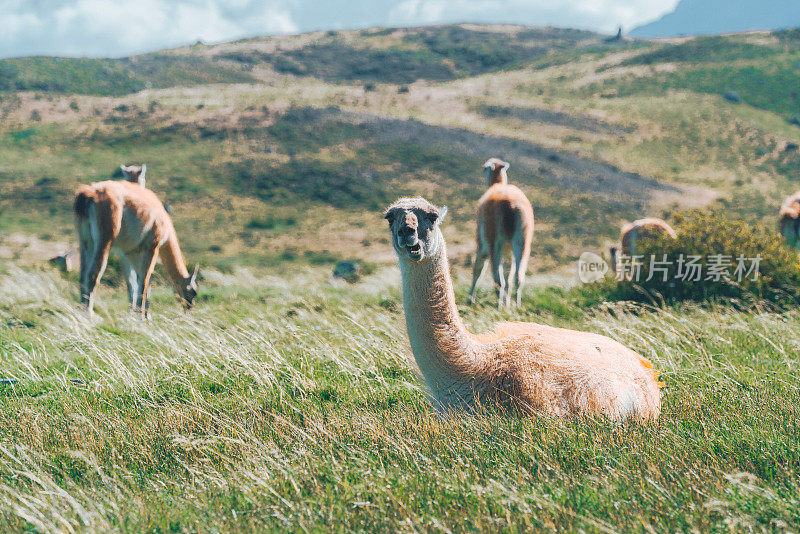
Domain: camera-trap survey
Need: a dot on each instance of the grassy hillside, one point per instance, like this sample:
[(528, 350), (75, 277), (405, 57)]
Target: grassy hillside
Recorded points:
[(288, 404), (317, 168), (390, 55), (597, 133), (764, 73)]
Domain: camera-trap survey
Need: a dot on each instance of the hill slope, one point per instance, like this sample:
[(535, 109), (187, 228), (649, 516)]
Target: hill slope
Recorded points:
[(385, 55), (289, 167)]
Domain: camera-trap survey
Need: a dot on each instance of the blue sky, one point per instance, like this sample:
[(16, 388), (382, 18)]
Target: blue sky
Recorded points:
[(111, 28)]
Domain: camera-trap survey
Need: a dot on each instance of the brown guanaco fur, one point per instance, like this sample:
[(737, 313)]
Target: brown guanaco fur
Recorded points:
[(130, 219), (525, 367), (631, 233), (505, 220), (789, 220)]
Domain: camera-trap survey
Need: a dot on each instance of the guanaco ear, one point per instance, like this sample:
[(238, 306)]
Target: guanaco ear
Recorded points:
[(193, 279), (141, 175), (505, 165), (437, 216)]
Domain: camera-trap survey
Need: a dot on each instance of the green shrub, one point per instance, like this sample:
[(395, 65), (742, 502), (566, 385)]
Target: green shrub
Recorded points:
[(789, 36), (8, 74), (289, 65), (271, 223), (113, 77), (709, 234)]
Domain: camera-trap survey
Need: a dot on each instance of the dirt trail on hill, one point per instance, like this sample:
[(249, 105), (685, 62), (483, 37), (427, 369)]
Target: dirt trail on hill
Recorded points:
[(576, 121)]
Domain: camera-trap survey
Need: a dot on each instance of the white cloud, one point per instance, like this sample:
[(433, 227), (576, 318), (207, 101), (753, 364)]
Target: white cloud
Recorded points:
[(602, 15), (103, 28)]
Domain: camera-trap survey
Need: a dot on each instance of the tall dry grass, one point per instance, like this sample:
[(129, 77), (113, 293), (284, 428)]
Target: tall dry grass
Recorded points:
[(291, 404)]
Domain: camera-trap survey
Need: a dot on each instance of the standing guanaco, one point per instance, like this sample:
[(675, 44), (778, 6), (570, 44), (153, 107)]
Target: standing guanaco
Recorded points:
[(505, 220), (130, 219)]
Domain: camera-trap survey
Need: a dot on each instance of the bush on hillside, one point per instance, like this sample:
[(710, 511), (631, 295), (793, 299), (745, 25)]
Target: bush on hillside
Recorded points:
[(789, 36), (8, 74), (726, 249)]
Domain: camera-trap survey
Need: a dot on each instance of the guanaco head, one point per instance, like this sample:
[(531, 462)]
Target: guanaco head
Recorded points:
[(188, 291), (789, 212), (134, 173), (495, 171), (414, 223)]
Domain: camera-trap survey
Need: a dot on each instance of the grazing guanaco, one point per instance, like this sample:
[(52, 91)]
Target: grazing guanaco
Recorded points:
[(134, 173), (526, 367), (130, 219), (631, 233), (789, 220), (505, 219)]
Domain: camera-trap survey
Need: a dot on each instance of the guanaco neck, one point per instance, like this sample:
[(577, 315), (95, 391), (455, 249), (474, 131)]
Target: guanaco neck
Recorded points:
[(500, 178), (439, 340), (172, 259), (497, 176)]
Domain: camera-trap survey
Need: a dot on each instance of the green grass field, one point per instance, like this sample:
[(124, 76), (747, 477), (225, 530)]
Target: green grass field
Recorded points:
[(291, 404), (288, 402)]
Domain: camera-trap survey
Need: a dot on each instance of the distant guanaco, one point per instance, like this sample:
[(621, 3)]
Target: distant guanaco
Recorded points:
[(134, 173), (505, 219), (524, 367), (130, 219), (632, 232), (789, 220)]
